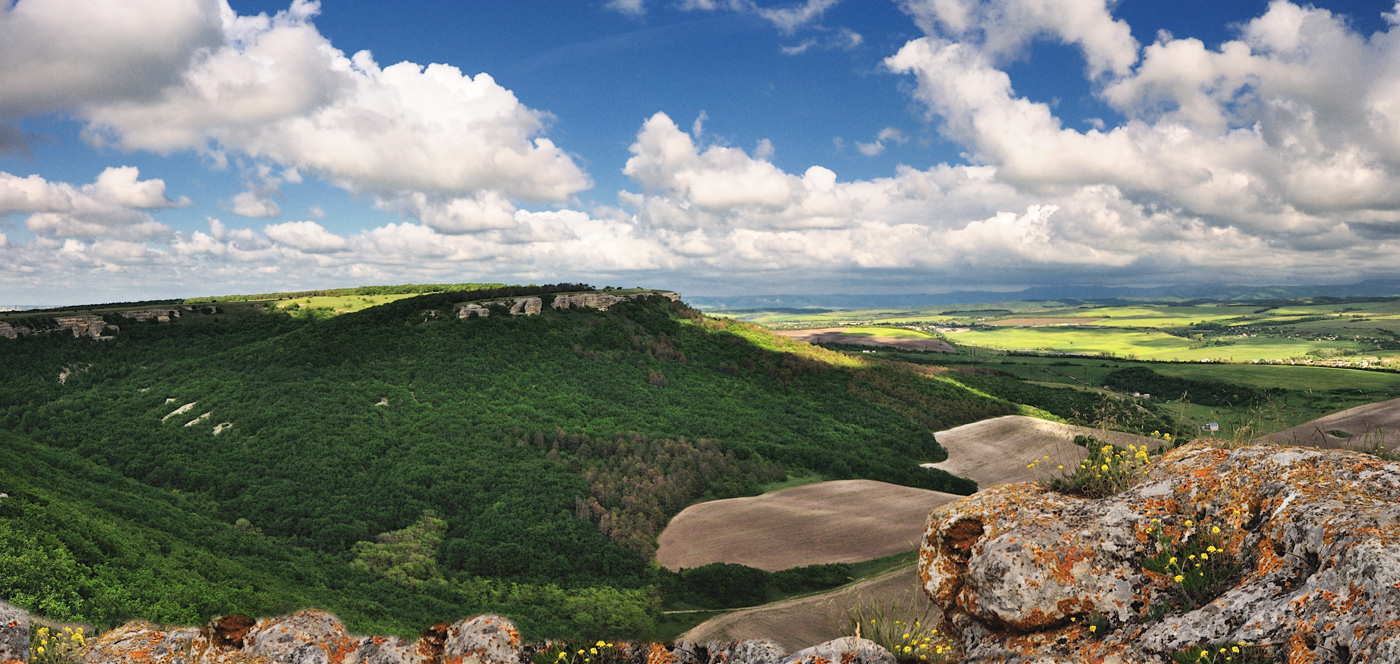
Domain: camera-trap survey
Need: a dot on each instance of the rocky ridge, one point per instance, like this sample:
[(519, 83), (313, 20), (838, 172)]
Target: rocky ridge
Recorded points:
[(1027, 575), (530, 306), (317, 637)]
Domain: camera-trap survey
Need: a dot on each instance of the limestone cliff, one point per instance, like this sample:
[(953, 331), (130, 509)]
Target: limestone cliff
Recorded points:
[(9, 331), (1307, 554), (158, 315), (526, 306), (85, 325), (603, 300), (529, 306)]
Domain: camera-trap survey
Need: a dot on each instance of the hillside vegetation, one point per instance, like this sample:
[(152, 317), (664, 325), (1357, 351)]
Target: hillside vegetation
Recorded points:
[(400, 466)]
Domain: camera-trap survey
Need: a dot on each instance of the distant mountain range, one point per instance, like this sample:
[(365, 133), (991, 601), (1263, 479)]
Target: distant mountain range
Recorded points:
[(1369, 288)]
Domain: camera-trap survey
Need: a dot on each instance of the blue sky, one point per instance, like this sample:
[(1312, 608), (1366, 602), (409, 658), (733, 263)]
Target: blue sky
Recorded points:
[(157, 148)]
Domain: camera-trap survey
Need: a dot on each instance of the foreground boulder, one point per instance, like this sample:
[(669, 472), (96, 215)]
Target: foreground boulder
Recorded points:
[(14, 634), (1307, 555)]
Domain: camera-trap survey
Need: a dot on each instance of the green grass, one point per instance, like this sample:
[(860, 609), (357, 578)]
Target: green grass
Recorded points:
[(887, 332), (1285, 376), (1141, 344), (341, 304)]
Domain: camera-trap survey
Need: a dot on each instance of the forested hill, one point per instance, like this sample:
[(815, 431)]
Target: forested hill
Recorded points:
[(399, 461)]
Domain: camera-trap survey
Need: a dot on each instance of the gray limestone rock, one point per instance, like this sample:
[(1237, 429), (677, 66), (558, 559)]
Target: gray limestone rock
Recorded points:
[(845, 650), (14, 633), (1021, 571)]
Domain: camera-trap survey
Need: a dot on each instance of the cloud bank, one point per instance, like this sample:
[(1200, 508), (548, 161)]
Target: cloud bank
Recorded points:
[(1276, 153)]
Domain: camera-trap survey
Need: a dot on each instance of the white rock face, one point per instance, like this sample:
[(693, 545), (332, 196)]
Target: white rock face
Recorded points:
[(84, 325), (473, 310), (158, 315), (9, 331), (526, 306), (590, 300)]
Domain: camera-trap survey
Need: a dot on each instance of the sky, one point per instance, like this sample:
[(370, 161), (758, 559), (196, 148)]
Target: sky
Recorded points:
[(178, 148)]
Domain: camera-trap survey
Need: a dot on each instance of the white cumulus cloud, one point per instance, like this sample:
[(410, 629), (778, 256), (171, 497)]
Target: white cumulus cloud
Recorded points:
[(307, 236), (113, 206), (177, 75)]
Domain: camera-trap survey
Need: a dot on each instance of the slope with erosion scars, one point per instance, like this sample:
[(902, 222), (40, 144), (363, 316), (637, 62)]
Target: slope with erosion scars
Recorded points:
[(828, 522), (1368, 426), (806, 621), (996, 451)]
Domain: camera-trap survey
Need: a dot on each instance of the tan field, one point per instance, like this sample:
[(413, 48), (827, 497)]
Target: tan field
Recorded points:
[(829, 522), (997, 451), (799, 623), (1369, 426), (812, 525), (834, 335)]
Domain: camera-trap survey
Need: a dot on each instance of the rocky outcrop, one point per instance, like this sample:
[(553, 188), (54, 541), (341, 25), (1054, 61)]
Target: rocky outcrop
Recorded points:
[(1308, 559), (847, 650), (316, 637), (529, 306), (14, 634), (85, 325), (526, 306), (9, 331), (595, 300), (473, 310), (581, 300), (158, 315), (307, 637)]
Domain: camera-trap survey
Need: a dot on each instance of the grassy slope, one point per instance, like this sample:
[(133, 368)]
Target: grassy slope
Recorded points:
[(472, 408)]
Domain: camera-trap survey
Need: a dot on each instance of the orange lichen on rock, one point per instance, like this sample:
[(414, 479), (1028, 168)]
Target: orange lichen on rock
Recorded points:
[(1301, 524)]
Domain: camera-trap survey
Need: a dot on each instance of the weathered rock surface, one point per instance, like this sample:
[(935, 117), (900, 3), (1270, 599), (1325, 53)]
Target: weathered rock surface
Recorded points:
[(316, 637), (589, 300), (158, 315), (1019, 571), (753, 651), (473, 310), (482, 640), (14, 633), (600, 301), (847, 650), (529, 306), (306, 637), (9, 331), (85, 325), (526, 306)]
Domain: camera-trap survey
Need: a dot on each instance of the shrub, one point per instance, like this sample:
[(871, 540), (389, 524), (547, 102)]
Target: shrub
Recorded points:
[(1196, 559), (49, 647), (904, 630), (1235, 653), (1107, 471)]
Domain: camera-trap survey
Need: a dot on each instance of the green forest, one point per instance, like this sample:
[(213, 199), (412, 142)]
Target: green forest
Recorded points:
[(400, 466)]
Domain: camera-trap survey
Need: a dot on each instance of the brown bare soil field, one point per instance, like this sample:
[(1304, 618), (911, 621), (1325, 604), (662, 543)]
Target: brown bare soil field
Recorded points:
[(834, 335), (1371, 425), (800, 623), (996, 451), (844, 521), (1042, 322)]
